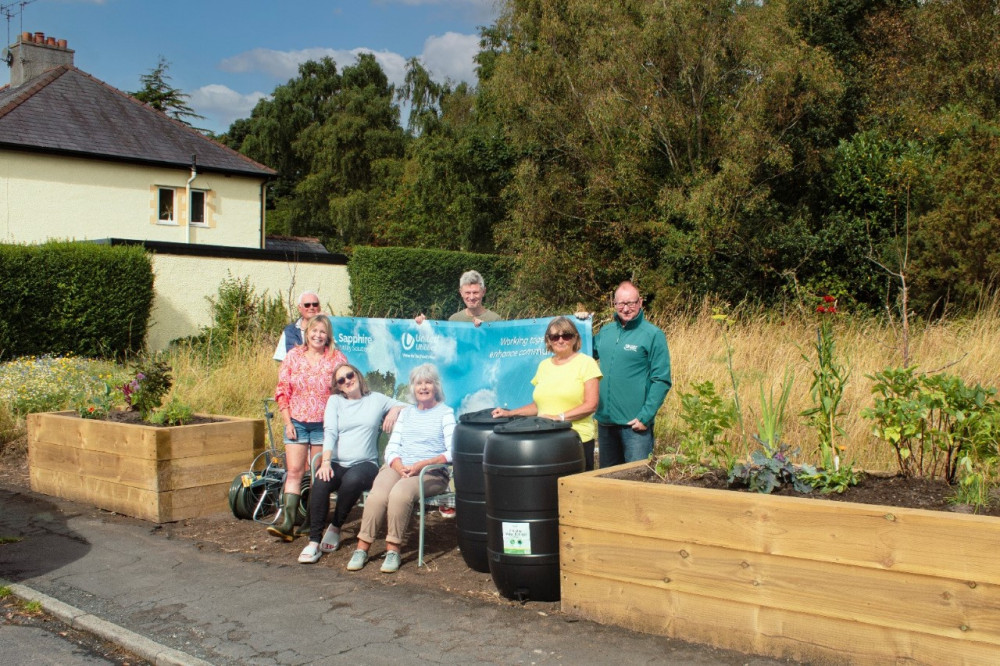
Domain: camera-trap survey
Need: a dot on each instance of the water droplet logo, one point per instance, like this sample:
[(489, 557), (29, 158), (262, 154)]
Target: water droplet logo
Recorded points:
[(408, 341)]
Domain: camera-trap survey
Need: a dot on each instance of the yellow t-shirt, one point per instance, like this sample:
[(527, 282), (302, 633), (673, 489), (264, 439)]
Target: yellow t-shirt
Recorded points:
[(559, 388)]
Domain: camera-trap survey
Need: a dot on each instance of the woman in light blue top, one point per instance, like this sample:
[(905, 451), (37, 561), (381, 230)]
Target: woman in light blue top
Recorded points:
[(349, 464), (422, 437)]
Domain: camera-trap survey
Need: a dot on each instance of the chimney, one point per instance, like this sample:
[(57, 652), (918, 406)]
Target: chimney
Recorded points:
[(33, 55)]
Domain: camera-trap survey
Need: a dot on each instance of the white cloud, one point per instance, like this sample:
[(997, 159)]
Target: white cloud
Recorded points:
[(474, 402), (284, 65), (451, 56), (223, 104)]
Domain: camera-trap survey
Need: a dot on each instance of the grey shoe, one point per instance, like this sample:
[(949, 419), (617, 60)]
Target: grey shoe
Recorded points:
[(391, 563), (310, 554), (331, 540), (358, 560)]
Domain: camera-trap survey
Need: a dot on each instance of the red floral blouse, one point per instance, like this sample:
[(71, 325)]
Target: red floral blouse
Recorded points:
[(304, 384)]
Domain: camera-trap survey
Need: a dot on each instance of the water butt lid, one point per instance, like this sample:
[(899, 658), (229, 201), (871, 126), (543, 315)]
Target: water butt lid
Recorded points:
[(532, 424), (483, 416)]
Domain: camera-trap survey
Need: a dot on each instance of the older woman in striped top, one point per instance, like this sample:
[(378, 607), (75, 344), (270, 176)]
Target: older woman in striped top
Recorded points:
[(422, 437)]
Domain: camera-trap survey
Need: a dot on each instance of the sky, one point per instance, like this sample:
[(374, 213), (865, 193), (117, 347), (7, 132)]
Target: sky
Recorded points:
[(228, 54)]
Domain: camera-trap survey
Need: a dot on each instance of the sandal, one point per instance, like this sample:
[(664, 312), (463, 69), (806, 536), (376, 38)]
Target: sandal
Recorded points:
[(310, 554), (331, 540)]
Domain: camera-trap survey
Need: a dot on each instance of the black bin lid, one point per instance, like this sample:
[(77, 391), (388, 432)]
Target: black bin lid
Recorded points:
[(483, 416), (532, 424)]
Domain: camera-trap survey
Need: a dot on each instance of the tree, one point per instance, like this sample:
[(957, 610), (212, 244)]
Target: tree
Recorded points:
[(158, 93), (653, 136), (449, 190)]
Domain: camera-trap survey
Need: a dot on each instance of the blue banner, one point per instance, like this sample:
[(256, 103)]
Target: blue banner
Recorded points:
[(484, 367)]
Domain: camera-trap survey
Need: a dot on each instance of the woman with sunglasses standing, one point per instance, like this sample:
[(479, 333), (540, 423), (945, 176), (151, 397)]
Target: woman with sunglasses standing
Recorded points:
[(302, 391), (350, 455), (566, 386)]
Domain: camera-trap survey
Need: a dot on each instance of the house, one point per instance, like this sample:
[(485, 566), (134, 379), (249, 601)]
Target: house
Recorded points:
[(80, 159), (84, 161)]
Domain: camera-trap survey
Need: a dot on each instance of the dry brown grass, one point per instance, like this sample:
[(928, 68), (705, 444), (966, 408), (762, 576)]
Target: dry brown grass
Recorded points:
[(235, 386), (764, 345)]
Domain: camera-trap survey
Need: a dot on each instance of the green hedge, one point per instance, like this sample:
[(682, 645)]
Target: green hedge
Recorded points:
[(403, 282), (74, 298)]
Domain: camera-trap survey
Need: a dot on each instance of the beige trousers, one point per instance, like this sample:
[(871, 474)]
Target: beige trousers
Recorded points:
[(390, 503)]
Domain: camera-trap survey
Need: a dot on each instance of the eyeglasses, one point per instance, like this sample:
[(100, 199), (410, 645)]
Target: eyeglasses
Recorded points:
[(627, 304), (344, 378), (311, 305), (561, 336)]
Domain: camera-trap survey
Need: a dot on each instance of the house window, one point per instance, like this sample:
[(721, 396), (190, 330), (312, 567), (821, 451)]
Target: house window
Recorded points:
[(165, 205), (197, 207)]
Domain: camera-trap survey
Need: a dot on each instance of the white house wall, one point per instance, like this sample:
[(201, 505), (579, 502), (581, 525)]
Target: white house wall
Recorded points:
[(183, 284), (45, 197)]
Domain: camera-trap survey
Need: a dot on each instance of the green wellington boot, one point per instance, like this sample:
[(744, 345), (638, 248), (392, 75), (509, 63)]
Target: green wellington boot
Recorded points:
[(289, 511)]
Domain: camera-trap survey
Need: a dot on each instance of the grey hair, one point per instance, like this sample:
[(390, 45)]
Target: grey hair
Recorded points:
[(306, 293), (471, 277), (428, 372)]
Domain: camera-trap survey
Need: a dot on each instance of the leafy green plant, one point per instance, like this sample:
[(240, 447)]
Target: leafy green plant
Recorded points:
[(147, 389), (976, 482), (933, 422), (173, 413), (771, 425), (96, 406), (706, 416), (724, 319), (827, 390), (771, 467)]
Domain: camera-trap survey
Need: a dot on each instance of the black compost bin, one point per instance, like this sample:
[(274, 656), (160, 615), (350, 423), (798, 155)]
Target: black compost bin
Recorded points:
[(470, 488), (522, 463)]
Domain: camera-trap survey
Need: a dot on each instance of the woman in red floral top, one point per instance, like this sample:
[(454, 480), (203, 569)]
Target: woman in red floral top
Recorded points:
[(302, 392)]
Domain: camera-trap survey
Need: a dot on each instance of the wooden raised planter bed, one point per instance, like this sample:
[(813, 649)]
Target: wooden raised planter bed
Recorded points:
[(781, 576), (157, 474)]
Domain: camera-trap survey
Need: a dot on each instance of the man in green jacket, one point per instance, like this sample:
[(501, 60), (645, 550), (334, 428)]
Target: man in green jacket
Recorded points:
[(635, 361)]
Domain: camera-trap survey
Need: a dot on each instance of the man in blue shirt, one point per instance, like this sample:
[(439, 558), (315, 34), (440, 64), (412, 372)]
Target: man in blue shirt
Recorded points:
[(292, 335), (635, 362)]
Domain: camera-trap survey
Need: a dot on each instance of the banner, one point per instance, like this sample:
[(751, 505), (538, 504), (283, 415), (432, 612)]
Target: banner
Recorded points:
[(484, 367)]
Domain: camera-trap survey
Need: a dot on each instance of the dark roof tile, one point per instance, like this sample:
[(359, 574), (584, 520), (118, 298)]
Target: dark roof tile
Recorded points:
[(66, 110)]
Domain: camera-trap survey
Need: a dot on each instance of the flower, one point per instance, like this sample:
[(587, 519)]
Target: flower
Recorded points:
[(829, 299)]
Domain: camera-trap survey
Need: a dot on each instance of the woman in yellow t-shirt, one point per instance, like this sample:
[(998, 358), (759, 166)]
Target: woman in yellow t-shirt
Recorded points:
[(566, 386)]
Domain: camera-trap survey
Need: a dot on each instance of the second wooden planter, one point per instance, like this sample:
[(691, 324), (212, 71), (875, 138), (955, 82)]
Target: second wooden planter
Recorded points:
[(781, 576), (158, 474)]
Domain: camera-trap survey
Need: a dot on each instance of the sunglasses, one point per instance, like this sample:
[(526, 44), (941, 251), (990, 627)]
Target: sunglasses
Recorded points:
[(344, 378), (561, 336), (310, 305)]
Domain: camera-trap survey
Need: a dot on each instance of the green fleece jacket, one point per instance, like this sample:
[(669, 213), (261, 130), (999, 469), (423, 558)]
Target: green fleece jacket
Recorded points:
[(635, 362)]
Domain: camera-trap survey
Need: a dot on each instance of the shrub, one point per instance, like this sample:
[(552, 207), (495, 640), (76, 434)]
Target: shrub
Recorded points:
[(402, 282), (90, 300)]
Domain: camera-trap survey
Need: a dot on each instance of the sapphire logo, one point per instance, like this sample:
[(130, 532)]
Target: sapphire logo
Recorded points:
[(408, 341)]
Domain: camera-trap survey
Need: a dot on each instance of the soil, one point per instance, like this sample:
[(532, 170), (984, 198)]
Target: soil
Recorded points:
[(875, 488), (125, 416)]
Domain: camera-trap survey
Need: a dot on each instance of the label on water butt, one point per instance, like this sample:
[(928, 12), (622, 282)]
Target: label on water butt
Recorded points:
[(516, 538)]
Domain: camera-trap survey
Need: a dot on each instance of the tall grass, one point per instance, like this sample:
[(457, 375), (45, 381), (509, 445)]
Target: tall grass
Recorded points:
[(765, 344)]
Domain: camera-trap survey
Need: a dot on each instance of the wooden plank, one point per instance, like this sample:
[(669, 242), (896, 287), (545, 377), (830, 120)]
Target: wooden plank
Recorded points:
[(93, 435), (904, 601), (950, 545), (136, 472), (193, 502), (229, 436), (203, 470), (97, 492), (775, 632)]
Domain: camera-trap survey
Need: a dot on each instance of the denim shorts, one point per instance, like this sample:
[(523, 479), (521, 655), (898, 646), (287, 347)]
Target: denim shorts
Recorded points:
[(307, 433)]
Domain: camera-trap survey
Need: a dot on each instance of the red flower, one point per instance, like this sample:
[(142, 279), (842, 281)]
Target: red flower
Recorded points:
[(90, 409), (832, 310), (820, 308), (829, 299)]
